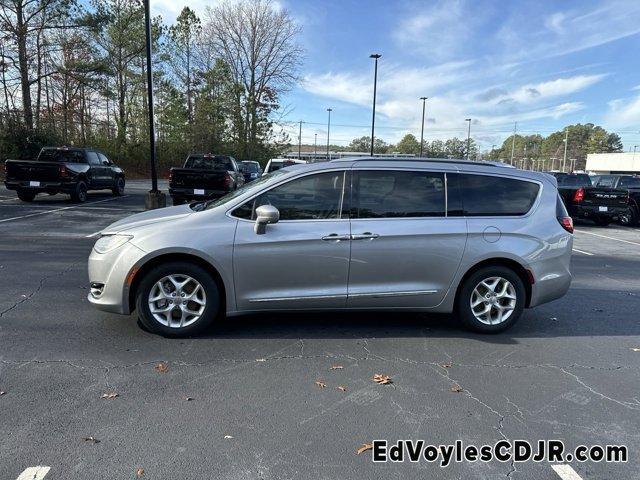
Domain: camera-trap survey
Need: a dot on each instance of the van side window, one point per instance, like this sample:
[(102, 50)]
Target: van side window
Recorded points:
[(484, 195), (93, 158), (390, 194), (312, 197)]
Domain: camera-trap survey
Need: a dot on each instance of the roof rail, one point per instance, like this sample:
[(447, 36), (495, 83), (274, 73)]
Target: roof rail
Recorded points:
[(421, 159)]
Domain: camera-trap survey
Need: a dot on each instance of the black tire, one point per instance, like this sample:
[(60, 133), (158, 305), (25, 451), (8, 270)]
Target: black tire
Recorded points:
[(26, 195), (211, 310), (463, 301), (630, 219), (602, 221), (118, 189), (80, 193), (177, 200)]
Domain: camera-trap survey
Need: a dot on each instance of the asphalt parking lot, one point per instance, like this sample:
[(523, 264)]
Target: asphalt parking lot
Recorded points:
[(242, 402)]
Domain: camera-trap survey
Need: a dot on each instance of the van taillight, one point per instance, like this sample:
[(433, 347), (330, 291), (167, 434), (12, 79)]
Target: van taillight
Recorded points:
[(170, 175), (62, 170), (567, 223), (578, 196)]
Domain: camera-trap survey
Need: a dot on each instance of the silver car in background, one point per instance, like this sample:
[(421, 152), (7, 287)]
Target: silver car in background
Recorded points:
[(475, 238)]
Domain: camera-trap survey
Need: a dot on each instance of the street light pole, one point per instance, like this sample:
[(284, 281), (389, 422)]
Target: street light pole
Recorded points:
[(300, 142), (424, 106), (315, 145), (328, 131), (468, 136), (513, 141), (375, 56), (154, 198), (566, 142)]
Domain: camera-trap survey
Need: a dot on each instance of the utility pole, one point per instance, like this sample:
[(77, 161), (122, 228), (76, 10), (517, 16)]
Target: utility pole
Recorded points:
[(513, 141), (328, 130), (154, 198), (424, 105), (300, 142), (566, 142), (524, 163), (375, 56), (468, 136)]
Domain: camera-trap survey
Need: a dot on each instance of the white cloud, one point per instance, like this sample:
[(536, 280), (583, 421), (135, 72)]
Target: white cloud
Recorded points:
[(624, 113)]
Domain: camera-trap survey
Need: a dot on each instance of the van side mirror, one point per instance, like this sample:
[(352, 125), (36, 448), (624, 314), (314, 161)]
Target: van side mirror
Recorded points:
[(265, 214)]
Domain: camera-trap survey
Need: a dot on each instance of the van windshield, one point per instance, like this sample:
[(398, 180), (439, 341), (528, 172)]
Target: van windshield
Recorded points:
[(255, 185)]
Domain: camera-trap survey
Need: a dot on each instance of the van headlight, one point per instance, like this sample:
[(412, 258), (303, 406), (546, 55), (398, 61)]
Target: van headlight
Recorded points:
[(106, 243)]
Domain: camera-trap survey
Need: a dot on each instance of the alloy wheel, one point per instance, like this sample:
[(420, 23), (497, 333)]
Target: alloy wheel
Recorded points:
[(177, 301), (493, 300)]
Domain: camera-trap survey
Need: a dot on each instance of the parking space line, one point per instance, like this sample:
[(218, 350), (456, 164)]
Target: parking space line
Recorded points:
[(34, 473), (610, 238), (565, 472), (582, 251), (60, 209)]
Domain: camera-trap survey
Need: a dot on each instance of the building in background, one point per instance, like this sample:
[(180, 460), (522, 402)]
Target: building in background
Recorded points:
[(616, 163)]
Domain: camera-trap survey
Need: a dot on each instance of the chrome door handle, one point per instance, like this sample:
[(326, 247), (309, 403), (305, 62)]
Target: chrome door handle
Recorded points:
[(334, 237), (365, 236)]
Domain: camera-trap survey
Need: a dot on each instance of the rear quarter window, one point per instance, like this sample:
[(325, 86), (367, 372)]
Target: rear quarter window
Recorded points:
[(485, 195)]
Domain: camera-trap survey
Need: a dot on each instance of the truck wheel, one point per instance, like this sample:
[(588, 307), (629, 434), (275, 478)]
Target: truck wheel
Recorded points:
[(491, 300), (177, 299), (80, 193), (630, 218), (118, 189), (602, 221), (26, 195)]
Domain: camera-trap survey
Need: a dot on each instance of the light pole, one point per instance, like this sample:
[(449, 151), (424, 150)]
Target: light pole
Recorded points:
[(493, 149), (154, 198), (634, 153), (468, 136), (513, 141), (300, 142), (566, 142), (424, 106), (375, 56), (328, 130), (315, 144)]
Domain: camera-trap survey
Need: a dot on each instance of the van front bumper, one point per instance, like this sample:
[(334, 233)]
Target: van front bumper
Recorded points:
[(108, 274)]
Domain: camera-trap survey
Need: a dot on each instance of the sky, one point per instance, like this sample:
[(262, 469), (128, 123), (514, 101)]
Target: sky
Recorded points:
[(543, 64)]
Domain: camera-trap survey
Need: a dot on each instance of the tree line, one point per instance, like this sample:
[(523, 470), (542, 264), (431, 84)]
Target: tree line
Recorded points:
[(74, 73), (528, 151)]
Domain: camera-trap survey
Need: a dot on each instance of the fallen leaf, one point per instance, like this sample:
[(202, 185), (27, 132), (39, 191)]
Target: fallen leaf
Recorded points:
[(321, 385), (91, 440), (554, 319), (364, 448), (228, 436), (187, 399), (139, 472), (162, 367), (446, 365), (457, 388), (341, 388), (2, 393), (261, 359), (336, 367), (381, 379), (634, 349), (109, 395)]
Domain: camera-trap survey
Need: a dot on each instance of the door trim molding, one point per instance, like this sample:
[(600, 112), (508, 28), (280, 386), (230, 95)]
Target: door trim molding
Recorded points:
[(392, 294)]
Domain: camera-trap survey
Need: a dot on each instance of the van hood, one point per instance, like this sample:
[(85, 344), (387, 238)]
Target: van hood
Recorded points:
[(147, 218)]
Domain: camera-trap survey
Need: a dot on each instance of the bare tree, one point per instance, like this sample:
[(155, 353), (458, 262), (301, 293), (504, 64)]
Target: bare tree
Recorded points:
[(258, 43)]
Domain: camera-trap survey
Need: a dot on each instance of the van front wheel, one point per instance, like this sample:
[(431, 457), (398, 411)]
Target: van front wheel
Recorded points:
[(491, 300)]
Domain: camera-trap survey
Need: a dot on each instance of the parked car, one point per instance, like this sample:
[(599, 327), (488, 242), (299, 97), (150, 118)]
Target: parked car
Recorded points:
[(251, 170), (204, 176), (602, 205), (74, 171), (629, 183), (369, 233), (278, 163)]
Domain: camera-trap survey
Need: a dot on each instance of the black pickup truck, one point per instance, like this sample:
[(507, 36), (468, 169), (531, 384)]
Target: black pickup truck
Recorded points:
[(204, 176), (631, 184), (63, 170), (600, 204)]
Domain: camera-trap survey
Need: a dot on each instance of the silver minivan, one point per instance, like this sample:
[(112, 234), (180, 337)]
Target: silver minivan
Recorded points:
[(476, 238)]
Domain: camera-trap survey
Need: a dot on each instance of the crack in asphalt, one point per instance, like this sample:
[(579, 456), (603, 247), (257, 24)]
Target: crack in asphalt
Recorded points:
[(41, 283)]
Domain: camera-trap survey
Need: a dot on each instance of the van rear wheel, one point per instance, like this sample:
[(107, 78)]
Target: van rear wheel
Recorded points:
[(177, 300), (26, 195), (491, 300)]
